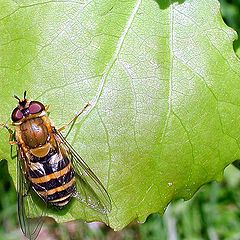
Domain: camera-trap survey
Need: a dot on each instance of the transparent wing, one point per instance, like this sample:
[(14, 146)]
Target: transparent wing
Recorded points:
[(31, 216), (90, 190)]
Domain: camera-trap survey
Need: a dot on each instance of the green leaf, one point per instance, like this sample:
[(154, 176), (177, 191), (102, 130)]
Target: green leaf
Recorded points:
[(163, 81)]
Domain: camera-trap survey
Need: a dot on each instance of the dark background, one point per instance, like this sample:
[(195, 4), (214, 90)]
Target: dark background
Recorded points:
[(231, 15)]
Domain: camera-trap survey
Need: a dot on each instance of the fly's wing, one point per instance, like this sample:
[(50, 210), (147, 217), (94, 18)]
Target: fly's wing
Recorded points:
[(31, 216), (90, 190)]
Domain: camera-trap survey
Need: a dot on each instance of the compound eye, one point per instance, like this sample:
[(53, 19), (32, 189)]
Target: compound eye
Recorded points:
[(16, 115), (35, 107)]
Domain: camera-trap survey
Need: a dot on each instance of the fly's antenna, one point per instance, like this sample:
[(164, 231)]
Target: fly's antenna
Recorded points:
[(24, 94), (23, 101), (17, 97)]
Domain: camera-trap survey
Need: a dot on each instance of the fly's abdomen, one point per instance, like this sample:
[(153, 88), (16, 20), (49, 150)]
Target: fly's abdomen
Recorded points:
[(54, 180)]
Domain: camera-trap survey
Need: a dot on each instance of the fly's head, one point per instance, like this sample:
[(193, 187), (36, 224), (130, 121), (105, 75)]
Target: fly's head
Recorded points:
[(26, 108)]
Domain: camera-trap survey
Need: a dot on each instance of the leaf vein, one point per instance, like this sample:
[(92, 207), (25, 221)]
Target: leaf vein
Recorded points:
[(170, 75), (112, 61)]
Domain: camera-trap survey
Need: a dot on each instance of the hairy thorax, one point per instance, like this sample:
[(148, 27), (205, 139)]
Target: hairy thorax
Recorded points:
[(34, 133)]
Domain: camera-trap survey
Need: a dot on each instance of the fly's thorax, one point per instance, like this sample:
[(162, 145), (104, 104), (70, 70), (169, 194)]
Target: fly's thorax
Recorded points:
[(34, 133)]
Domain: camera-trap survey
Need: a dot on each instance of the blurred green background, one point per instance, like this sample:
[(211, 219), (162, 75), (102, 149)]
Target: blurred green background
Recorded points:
[(214, 212), (231, 14)]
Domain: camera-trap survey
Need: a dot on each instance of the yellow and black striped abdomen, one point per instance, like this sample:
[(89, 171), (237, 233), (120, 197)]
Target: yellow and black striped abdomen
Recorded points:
[(53, 178)]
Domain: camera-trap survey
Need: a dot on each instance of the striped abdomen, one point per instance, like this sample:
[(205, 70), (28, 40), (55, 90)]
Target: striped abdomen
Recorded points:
[(52, 178)]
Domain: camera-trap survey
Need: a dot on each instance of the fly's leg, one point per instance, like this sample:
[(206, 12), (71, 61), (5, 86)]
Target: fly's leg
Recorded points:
[(12, 140), (27, 191), (74, 118)]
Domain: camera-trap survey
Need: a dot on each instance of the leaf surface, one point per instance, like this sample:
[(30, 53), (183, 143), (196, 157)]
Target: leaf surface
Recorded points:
[(163, 82)]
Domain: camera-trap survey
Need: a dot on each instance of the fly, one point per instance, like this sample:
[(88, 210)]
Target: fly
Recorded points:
[(49, 167)]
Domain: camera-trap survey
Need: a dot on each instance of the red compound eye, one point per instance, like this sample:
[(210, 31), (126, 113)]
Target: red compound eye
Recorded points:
[(16, 115), (35, 107)]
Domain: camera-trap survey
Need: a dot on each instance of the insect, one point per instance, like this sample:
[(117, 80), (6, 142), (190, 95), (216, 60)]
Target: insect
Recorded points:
[(49, 168)]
